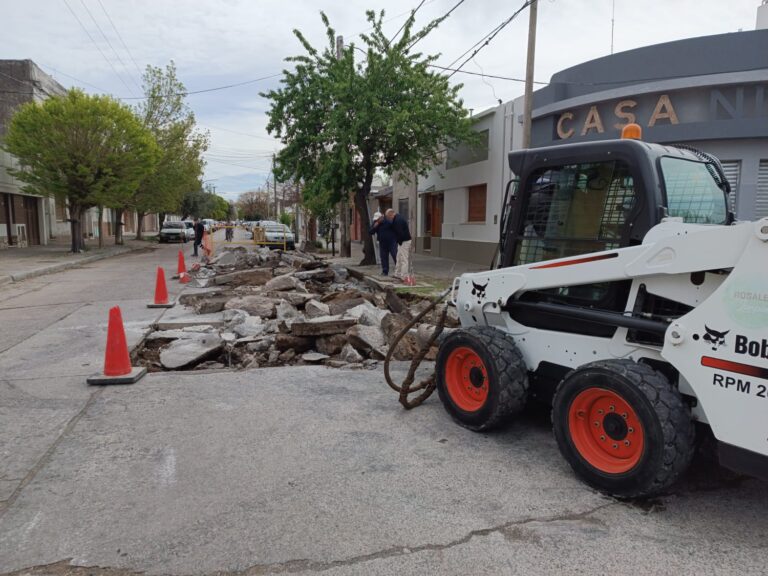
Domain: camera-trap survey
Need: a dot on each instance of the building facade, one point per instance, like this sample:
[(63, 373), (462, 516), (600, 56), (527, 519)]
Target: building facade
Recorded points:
[(25, 219), (710, 93), (28, 219)]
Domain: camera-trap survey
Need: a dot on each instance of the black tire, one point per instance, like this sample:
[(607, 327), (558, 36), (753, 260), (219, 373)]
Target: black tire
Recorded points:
[(660, 453), (506, 383)]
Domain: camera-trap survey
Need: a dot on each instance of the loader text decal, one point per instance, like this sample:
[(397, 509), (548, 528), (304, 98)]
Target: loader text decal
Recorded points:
[(743, 386)]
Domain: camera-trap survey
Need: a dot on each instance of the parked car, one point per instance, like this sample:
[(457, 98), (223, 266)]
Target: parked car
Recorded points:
[(190, 229), (208, 223), (276, 234), (173, 232)]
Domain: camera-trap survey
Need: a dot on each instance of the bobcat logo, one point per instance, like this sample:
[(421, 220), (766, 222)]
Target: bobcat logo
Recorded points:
[(715, 338), (479, 291)]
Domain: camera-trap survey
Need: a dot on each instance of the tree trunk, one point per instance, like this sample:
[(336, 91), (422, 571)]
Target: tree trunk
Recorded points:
[(101, 219), (361, 204), (140, 225), (118, 226), (77, 244)]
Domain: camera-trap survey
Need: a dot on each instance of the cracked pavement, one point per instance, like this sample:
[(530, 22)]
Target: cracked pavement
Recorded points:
[(301, 470)]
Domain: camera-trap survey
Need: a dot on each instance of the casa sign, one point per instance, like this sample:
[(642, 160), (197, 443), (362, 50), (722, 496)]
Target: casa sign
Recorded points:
[(624, 112)]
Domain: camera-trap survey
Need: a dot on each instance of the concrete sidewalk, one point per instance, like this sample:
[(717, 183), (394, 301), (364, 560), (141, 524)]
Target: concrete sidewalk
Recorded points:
[(428, 270), (18, 264)]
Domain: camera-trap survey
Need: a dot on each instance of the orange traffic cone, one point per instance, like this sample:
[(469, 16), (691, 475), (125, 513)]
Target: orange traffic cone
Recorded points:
[(117, 361), (182, 269), (161, 292)]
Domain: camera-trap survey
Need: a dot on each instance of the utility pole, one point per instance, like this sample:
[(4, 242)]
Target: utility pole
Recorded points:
[(274, 186), (532, 9), (345, 250)]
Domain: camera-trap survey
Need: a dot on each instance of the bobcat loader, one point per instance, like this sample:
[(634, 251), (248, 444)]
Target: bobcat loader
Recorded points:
[(624, 293)]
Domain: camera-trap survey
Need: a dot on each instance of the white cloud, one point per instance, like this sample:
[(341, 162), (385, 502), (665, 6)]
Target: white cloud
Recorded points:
[(230, 41)]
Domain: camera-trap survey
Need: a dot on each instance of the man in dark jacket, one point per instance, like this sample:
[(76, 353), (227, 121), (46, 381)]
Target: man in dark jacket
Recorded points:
[(387, 240), (403, 238), (199, 231)]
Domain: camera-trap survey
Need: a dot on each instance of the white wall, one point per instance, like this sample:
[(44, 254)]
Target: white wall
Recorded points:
[(493, 172)]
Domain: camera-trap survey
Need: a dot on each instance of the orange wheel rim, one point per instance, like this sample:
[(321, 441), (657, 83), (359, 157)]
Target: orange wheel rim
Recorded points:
[(466, 379), (606, 431)]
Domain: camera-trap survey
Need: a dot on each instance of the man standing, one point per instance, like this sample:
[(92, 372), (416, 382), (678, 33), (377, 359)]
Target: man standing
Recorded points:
[(199, 231), (387, 241), (403, 238)]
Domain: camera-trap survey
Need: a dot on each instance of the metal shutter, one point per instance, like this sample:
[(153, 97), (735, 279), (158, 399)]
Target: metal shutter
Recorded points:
[(732, 170), (761, 198)]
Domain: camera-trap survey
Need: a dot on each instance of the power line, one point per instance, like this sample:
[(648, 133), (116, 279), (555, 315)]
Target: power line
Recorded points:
[(120, 37), (236, 132), (189, 93), (98, 27), (440, 19), (57, 71), (494, 34), (447, 69), (413, 13), (97, 46)]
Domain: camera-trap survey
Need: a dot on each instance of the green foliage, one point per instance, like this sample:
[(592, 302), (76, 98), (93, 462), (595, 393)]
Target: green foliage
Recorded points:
[(286, 218), (179, 169), (203, 204), (82, 149), (219, 209), (341, 119)]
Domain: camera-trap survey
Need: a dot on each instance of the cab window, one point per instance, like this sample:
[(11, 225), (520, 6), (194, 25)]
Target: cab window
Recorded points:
[(575, 209), (692, 192)]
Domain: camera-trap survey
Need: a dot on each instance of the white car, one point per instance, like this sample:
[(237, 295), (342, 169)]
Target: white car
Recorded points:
[(173, 231), (276, 234)]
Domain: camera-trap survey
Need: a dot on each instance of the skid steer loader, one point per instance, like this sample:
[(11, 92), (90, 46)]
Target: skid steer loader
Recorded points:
[(624, 293)]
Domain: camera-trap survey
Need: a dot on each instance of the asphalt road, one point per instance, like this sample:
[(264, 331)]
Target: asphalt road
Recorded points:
[(301, 470)]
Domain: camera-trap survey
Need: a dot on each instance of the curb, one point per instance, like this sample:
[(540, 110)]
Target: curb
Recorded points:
[(63, 266)]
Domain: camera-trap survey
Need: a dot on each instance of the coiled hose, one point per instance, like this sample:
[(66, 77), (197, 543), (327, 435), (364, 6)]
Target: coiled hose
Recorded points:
[(426, 386)]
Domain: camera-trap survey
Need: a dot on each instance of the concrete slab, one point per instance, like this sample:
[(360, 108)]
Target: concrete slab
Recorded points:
[(310, 469)]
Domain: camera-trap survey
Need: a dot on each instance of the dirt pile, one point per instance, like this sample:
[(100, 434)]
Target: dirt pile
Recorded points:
[(271, 308)]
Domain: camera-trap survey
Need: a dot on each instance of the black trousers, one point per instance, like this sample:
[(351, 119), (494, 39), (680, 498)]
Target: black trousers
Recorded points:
[(385, 250)]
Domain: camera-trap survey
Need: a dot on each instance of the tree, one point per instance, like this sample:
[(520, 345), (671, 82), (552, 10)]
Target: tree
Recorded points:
[(219, 209), (84, 150), (340, 120), (180, 167), (253, 205)]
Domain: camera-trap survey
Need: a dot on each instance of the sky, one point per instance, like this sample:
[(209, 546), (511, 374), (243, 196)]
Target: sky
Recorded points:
[(102, 45)]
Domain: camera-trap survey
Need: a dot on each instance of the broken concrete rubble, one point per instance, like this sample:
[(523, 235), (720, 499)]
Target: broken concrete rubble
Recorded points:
[(314, 357), (183, 352), (255, 277), (367, 340), (315, 309), (253, 304), (322, 326), (270, 308), (282, 283)]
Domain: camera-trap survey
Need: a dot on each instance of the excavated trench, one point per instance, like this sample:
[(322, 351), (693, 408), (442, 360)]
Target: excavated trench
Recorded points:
[(263, 308)]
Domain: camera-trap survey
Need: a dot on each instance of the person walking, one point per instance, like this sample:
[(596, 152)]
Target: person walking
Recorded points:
[(387, 241), (403, 238), (229, 234), (199, 231)]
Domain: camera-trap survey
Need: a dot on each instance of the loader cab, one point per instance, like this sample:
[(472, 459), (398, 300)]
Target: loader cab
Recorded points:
[(577, 199)]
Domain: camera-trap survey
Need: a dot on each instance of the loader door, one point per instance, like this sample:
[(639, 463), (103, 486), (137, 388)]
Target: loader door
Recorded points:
[(570, 210), (575, 209)]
